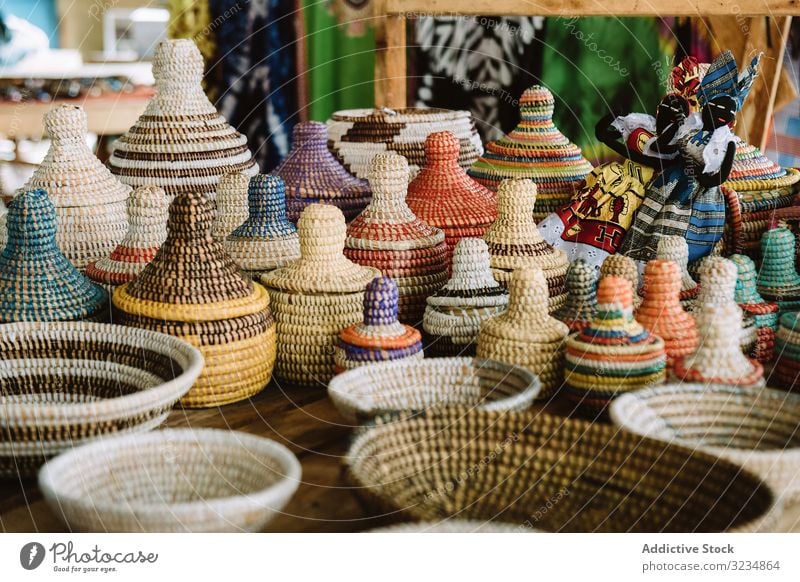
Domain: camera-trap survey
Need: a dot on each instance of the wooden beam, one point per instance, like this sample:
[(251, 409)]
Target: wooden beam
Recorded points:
[(390, 59), (763, 120), (417, 8)]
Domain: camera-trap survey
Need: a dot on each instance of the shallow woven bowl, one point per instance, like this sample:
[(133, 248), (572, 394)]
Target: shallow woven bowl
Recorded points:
[(365, 392), (176, 480), (758, 429), (65, 383), (550, 472)]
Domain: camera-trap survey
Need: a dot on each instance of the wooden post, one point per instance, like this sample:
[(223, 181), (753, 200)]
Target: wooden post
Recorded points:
[(390, 58)]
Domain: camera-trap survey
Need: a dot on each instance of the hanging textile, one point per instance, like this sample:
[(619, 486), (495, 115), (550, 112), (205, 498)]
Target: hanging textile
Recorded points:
[(192, 19), (253, 75), (478, 63), (340, 55)]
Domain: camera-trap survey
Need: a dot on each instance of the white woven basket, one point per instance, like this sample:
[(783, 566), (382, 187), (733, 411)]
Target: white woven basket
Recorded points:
[(758, 429), (415, 384), (176, 480)]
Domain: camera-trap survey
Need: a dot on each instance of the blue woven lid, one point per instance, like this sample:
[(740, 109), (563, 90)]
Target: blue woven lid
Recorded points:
[(266, 200), (37, 282)]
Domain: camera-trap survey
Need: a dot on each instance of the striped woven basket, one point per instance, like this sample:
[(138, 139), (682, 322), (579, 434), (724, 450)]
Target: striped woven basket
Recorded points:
[(759, 430), (676, 249), (356, 136), (231, 202), (88, 199), (315, 297), (177, 480), (63, 384), (506, 466), (193, 289), (368, 391), (180, 143)]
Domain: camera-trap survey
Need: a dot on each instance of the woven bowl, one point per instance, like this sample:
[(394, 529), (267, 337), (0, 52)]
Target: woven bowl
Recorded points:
[(452, 526), (365, 392), (758, 429), (550, 472), (65, 383), (176, 480)]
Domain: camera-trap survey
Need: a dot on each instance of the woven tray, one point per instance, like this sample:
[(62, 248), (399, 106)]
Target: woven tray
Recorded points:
[(505, 466), (368, 391), (66, 383), (179, 480)]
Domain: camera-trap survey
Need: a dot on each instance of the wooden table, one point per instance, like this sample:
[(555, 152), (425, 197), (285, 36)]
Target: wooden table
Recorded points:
[(302, 419)]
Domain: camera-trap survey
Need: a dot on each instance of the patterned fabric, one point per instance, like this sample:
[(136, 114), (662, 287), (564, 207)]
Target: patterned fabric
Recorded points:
[(478, 63), (253, 77), (191, 19)]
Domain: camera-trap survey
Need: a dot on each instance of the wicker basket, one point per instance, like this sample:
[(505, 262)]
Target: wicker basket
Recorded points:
[(357, 135), (368, 391), (178, 480), (194, 290), (581, 302), (312, 174), (764, 315), (66, 383), (89, 200), (778, 280), (232, 206), (37, 282), (389, 237), (676, 249), (718, 277), (180, 143), (758, 430), (450, 526), (625, 267), (507, 466), (786, 372), (538, 151)]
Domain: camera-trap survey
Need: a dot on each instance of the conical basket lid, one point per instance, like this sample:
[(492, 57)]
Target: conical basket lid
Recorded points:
[(180, 143), (752, 170), (37, 282)]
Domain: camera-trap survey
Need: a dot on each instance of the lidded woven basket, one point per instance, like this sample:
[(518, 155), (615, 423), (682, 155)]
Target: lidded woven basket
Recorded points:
[(675, 248), (786, 372), (764, 314), (525, 335), (37, 282), (147, 231), (445, 197), (389, 237), (614, 354), (454, 314), (594, 477), (266, 240), (514, 241), (581, 302), (718, 278), (232, 207), (661, 312), (778, 280), (315, 297), (538, 151), (180, 143), (192, 289), (619, 265), (312, 174), (380, 337), (356, 136), (89, 200)]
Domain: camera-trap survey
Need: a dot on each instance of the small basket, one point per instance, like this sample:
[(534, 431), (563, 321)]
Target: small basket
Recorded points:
[(758, 430), (177, 480), (555, 473), (368, 391), (66, 383)]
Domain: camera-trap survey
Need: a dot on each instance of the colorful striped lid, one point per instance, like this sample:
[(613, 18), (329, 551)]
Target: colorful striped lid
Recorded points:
[(752, 170)]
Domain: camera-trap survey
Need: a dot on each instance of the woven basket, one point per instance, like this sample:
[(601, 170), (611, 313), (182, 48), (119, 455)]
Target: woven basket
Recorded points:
[(451, 526), (525, 335), (676, 249), (356, 136), (625, 267), (786, 372), (89, 201), (37, 282), (778, 280), (266, 240), (758, 430), (538, 151), (193, 289), (177, 480), (581, 302), (147, 231), (232, 206), (389, 237), (514, 241), (180, 143), (454, 314), (763, 314), (315, 297), (417, 385), (507, 466), (66, 383), (443, 196), (312, 174)]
